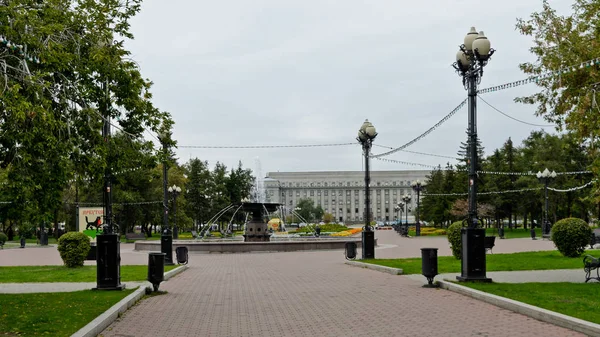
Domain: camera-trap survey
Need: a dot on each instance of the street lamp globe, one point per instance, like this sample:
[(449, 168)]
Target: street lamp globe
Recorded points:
[(482, 46), (469, 38)]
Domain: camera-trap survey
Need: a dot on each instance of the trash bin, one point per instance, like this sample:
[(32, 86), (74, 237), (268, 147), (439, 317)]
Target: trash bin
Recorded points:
[(429, 265), (501, 232), (350, 250), (317, 231), (156, 269), (182, 255), (22, 242), (92, 253)]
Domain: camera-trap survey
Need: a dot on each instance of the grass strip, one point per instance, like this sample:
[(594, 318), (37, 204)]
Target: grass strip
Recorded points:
[(544, 260), (24, 274), (53, 314), (579, 300)]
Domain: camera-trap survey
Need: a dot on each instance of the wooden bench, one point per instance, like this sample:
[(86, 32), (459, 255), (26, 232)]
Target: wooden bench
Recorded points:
[(489, 242), (591, 263), (135, 236)]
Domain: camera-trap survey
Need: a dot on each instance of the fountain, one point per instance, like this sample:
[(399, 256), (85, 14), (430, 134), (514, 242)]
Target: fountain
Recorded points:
[(257, 230)]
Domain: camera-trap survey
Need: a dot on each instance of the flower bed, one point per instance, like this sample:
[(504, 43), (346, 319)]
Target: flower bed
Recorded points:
[(348, 232)]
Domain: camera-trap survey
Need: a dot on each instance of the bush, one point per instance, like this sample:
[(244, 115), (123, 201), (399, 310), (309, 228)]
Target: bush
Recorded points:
[(455, 238), (3, 238), (73, 248), (570, 236), (26, 230)]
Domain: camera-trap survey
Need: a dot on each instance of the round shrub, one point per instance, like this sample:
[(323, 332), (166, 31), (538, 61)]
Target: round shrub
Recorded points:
[(3, 238), (570, 236), (73, 248), (455, 238)]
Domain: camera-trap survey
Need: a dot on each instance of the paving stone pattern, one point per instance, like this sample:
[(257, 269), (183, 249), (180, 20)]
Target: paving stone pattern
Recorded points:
[(311, 294)]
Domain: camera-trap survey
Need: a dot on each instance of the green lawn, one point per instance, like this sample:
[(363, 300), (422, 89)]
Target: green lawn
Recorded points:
[(545, 260), (578, 300), (53, 314), (24, 274)]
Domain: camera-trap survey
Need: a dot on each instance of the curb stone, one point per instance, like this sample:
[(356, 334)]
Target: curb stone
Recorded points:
[(544, 315), (96, 326), (383, 269)]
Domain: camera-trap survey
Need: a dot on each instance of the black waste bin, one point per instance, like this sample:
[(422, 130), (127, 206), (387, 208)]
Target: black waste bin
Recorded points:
[(43, 238), (350, 250), (317, 231), (156, 269), (22, 242), (501, 232), (182, 255), (429, 265)]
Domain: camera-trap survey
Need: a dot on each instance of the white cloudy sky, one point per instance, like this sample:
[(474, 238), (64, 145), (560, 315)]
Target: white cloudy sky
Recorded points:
[(287, 72)]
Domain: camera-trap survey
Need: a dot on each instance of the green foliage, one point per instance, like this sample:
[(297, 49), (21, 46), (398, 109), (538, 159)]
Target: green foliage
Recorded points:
[(73, 248), (332, 227), (3, 238), (570, 236), (328, 217), (455, 239), (26, 230)]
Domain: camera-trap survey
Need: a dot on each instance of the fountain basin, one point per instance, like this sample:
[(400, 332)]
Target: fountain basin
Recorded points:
[(235, 246)]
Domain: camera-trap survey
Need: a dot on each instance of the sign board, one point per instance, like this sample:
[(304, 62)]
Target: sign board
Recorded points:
[(90, 220)]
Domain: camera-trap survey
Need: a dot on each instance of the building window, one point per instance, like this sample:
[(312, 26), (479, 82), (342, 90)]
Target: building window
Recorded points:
[(387, 210), (291, 194), (325, 184), (387, 192), (395, 192), (326, 192), (348, 192), (356, 210), (312, 193), (319, 192), (356, 193), (340, 193), (333, 201), (283, 194), (297, 193)]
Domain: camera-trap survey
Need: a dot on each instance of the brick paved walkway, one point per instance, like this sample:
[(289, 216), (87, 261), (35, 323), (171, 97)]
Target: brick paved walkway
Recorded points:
[(311, 294)]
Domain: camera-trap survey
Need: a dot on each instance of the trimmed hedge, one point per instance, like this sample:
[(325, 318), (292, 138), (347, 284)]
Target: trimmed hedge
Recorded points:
[(73, 248), (455, 238), (571, 236)]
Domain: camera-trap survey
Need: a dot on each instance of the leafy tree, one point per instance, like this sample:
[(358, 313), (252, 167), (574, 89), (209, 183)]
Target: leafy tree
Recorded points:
[(328, 217), (318, 213), (568, 99), (198, 189), (307, 208)]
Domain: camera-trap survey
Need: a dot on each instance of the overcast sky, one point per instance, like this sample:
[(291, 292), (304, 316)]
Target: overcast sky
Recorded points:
[(288, 72)]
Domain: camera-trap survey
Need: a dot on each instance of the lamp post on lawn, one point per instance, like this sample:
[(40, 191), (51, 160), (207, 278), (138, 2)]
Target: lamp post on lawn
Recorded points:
[(366, 136), (418, 186), (175, 190), (472, 57), (545, 178), (399, 208)]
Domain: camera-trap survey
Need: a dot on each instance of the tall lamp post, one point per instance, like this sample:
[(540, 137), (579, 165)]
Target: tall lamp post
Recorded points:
[(166, 240), (399, 208), (471, 58), (545, 177), (406, 198), (175, 190), (366, 136), (418, 186)]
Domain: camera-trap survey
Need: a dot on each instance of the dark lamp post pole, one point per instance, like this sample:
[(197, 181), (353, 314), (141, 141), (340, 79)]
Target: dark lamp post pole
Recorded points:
[(471, 58), (418, 186), (406, 198), (166, 239), (545, 178), (366, 136), (175, 190)]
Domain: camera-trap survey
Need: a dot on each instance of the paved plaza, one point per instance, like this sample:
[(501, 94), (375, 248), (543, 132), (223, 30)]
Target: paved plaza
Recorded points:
[(310, 294)]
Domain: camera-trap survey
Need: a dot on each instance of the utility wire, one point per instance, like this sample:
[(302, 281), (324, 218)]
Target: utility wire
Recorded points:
[(416, 152), (518, 120)]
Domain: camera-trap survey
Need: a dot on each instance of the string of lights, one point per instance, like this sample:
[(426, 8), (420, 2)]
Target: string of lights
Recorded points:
[(261, 146), (518, 120), (122, 203), (528, 173), (421, 136), (480, 193), (416, 152), (536, 79), (573, 188)]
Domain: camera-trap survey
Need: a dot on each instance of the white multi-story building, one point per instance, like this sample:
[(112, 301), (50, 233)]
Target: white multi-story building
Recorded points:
[(342, 193)]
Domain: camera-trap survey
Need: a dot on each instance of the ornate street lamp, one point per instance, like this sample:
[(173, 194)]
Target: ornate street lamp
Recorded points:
[(471, 58), (166, 240), (366, 136), (545, 178), (418, 186), (175, 190), (399, 208), (406, 198)]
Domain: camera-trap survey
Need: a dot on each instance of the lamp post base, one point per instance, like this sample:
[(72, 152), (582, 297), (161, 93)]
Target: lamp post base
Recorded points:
[(368, 244), (473, 266), (166, 246)]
